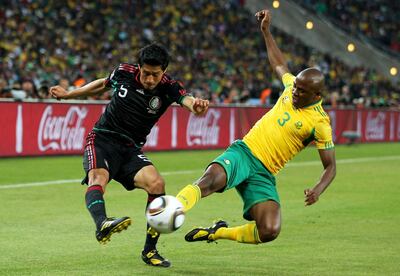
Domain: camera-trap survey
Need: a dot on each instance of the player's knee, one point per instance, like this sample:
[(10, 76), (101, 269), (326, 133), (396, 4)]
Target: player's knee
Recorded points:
[(98, 177), (213, 180), (268, 232), (156, 186)]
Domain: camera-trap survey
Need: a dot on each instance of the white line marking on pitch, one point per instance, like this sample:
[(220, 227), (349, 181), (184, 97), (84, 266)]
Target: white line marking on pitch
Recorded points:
[(298, 164), (346, 161), (64, 181)]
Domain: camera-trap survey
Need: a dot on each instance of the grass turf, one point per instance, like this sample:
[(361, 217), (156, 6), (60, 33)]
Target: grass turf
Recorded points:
[(352, 230)]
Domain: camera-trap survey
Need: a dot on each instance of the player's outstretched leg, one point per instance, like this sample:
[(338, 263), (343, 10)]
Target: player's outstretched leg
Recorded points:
[(246, 233), (150, 254), (96, 207), (205, 234), (110, 226), (189, 196)]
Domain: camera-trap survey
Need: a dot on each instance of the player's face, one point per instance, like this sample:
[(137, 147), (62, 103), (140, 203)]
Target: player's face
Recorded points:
[(150, 76), (303, 94)]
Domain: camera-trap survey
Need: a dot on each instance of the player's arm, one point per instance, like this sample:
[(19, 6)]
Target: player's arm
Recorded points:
[(195, 105), (93, 88), (328, 160), (275, 56)]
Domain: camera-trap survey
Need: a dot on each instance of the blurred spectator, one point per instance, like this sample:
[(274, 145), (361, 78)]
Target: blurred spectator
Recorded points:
[(30, 89), (5, 91), (345, 98), (17, 92), (64, 83), (79, 81), (43, 91), (265, 96)]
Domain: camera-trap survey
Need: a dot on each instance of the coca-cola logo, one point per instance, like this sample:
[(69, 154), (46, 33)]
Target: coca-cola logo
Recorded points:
[(375, 129), (203, 130), (62, 132)]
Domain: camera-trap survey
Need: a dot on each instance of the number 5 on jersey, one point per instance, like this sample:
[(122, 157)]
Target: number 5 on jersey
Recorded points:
[(144, 157), (122, 91)]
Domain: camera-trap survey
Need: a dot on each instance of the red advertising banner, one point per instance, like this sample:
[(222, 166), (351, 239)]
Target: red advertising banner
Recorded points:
[(369, 125), (31, 129), (43, 129)]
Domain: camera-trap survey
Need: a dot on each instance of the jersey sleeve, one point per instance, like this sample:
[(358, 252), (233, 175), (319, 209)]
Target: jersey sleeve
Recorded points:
[(323, 135), (112, 78), (124, 70), (107, 81), (177, 92), (288, 80)]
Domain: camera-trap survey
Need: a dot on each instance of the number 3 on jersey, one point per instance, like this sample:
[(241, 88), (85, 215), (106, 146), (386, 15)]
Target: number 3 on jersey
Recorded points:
[(122, 91), (284, 119)]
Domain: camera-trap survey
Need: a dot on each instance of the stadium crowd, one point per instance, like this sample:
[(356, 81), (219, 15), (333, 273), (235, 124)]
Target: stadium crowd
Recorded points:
[(377, 20), (216, 46)]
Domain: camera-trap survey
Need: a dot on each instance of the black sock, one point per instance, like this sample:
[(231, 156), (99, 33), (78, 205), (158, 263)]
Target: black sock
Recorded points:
[(95, 204), (151, 235)]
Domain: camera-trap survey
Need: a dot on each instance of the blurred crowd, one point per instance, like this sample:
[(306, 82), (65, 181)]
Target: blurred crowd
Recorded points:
[(378, 19), (217, 50)]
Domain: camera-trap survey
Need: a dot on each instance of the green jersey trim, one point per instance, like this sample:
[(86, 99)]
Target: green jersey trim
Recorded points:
[(180, 100), (312, 104), (310, 138)]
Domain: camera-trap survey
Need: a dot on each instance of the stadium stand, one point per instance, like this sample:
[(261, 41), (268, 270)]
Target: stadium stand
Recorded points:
[(216, 46), (377, 20)]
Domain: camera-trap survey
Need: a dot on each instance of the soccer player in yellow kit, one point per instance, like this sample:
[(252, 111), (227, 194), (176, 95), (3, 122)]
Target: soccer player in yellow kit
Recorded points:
[(249, 165)]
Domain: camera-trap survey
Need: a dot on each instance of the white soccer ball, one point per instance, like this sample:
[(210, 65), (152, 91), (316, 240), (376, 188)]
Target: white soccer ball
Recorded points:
[(165, 214)]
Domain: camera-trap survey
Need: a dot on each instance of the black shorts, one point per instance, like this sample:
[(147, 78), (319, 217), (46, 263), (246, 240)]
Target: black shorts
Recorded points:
[(120, 157)]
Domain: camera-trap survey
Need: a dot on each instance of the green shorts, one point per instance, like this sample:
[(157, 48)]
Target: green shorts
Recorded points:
[(248, 175)]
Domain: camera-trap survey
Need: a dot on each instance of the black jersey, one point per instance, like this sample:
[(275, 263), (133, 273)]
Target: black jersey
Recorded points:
[(133, 110)]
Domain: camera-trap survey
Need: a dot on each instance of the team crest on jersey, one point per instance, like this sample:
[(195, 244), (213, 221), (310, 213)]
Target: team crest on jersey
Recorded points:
[(285, 99), (298, 124), (155, 103)]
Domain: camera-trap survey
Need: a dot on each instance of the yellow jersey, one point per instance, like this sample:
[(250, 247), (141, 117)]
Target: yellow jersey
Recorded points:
[(285, 130)]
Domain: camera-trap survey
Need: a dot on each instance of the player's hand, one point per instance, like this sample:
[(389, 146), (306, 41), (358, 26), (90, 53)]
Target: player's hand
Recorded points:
[(200, 106), (265, 17), (58, 92), (311, 196)]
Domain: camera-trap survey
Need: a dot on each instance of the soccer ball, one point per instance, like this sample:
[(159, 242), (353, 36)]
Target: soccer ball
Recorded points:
[(165, 214)]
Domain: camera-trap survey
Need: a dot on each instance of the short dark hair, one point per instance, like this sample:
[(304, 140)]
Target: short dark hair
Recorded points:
[(154, 54)]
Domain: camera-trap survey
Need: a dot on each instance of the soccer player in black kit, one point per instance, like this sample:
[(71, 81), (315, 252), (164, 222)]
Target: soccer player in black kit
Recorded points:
[(142, 93)]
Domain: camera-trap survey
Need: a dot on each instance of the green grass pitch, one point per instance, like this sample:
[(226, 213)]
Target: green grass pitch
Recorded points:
[(353, 230)]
